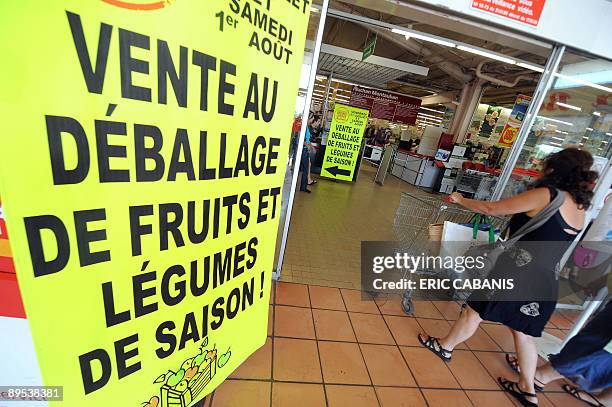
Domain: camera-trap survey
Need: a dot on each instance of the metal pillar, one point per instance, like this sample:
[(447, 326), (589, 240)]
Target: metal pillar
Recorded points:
[(326, 100), (470, 96), (541, 90), (298, 157)]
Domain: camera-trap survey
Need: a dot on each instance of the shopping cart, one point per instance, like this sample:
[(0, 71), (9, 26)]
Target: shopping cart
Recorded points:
[(416, 211), (476, 184)]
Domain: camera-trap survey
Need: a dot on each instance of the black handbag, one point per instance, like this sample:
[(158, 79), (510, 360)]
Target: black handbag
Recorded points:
[(490, 252)]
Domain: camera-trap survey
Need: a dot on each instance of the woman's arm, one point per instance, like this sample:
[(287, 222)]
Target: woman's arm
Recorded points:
[(533, 200)]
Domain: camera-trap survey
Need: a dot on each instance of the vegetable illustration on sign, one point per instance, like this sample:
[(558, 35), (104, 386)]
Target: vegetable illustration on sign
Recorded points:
[(184, 385)]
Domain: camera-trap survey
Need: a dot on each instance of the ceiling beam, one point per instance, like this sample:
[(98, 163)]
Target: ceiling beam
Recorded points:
[(375, 60)]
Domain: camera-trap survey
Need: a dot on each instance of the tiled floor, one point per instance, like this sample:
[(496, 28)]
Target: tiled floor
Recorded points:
[(328, 225), (330, 347)]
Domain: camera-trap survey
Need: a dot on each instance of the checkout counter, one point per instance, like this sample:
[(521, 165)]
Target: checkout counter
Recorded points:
[(416, 169), (443, 166)]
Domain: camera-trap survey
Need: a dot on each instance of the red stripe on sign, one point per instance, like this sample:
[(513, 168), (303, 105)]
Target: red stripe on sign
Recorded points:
[(3, 231), (11, 304), (7, 265)]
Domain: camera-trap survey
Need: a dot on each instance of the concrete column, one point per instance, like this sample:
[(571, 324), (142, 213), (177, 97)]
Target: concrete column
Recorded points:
[(470, 96)]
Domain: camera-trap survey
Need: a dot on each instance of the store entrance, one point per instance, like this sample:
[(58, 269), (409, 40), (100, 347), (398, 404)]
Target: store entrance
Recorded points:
[(443, 107)]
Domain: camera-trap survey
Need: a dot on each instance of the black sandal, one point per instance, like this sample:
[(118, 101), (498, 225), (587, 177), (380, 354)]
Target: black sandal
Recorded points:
[(433, 344), (575, 393), (513, 363), (513, 388)]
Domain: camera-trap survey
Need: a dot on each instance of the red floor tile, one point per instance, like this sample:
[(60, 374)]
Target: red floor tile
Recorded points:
[(296, 360), (258, 365), (271, 320), (428, 369), (482, 341), (353, 396), (357, 302), (293, 322), (501, 335), (297, 395), (489, 398), (559, 321), (426, 309), (555, 386), (570, 315), (404, 330), (326, 298), (445, 398), (563, 400), (555, 332), (544, 401), (470, 373), (243, 393), (371, 328), (400, 397), (342, 363), (450, 310), (333, 325), (390, 304), (496, 365), (386, 366), (292, 294)]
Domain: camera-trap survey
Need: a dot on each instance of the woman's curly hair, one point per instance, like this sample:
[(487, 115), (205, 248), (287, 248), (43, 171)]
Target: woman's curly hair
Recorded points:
[(570, 170)]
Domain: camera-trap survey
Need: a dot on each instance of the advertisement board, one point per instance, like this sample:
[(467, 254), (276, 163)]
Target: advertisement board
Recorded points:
[(513, 125), (144, 147), (522, 11), (386, 105), (344, 142)]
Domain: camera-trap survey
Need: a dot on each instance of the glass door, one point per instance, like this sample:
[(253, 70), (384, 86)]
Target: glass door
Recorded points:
[(316, 24)]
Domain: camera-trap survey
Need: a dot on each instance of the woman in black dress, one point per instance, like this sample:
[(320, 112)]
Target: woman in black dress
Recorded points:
[(567, 172)]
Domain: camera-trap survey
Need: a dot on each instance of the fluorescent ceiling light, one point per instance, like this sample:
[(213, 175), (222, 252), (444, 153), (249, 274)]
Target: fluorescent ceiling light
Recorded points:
[(531, 67), (431, 110), (559, 131), (558, 138), (589, 129), (555, 120), (596, 114), (569, 106), (429, 116), (555, 144), (585, 137), (435, 40), (583, 82), (487, 54), (605, 142)]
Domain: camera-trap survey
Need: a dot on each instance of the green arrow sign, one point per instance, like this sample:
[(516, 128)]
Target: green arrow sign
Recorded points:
[(368, 49)]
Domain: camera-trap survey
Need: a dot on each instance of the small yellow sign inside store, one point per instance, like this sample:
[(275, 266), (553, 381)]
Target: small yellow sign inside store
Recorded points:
[(144, 146), (344, 142)]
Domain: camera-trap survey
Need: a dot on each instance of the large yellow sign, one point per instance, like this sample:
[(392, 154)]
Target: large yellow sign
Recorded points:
[(344, 142), (143, 147)]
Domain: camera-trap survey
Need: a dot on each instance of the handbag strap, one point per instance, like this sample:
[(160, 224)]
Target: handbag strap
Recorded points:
[(539, 219)]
